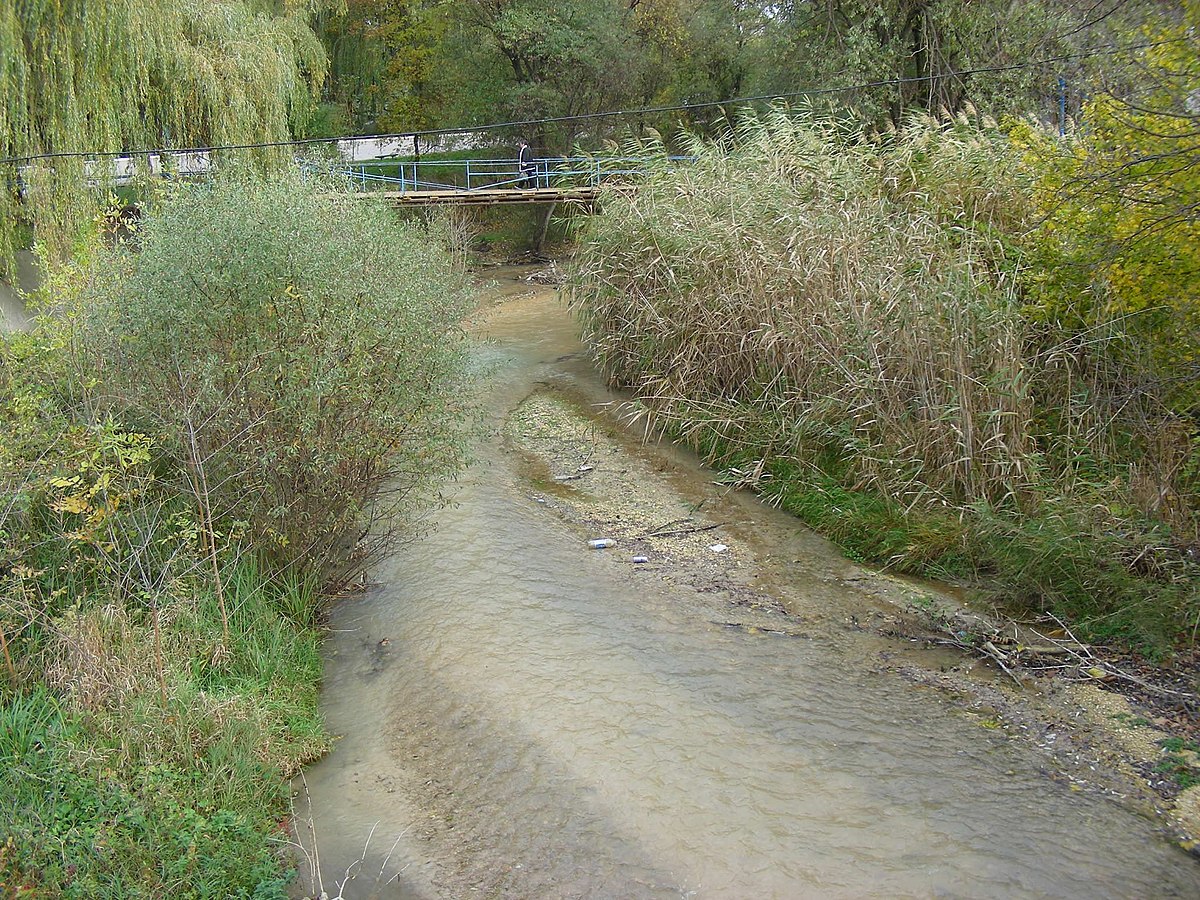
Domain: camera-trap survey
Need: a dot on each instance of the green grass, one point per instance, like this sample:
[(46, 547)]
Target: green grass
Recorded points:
[(1179, 771), (453, 173), (134, 799), (1054, 558)]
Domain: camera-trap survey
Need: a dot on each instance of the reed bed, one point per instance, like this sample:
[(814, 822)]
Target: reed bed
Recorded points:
[(836, 319), (808, 295)]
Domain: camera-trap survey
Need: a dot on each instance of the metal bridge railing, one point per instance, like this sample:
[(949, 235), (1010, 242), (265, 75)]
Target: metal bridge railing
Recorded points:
[(466, 175)]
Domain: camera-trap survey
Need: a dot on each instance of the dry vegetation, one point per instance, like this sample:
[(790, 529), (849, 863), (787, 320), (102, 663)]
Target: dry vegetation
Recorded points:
[(842, 319)]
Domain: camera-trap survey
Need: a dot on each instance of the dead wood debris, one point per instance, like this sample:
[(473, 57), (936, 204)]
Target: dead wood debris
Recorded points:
[(1048, 647), (669, 529)]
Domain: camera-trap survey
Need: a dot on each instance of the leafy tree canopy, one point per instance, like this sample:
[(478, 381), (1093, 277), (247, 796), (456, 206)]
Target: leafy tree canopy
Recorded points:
[(1121, 236), (78, 75), (409, 64)]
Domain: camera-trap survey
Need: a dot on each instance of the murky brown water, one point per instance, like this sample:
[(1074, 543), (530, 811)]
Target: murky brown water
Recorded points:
[(13, 315), (544, 721)]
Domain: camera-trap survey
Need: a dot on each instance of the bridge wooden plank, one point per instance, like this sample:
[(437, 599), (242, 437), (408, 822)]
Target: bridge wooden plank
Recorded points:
[(484, 197)]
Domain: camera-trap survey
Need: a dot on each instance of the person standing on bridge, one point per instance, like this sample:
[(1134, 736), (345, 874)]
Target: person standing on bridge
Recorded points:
[(527, 166)]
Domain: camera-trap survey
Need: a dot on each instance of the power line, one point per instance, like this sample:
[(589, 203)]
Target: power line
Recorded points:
[(584, 117)]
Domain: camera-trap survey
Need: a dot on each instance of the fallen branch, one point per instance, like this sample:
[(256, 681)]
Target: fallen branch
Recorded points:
[(759, 629), (1083, 654), (982, 650), (997, 657), (580, 473), (682, 531)]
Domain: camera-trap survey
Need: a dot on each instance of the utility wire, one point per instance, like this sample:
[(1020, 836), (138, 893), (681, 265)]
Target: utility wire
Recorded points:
[(584, 117)]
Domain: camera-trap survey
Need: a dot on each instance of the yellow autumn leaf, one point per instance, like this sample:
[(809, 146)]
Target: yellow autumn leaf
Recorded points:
[(74, 504), (101, 484)]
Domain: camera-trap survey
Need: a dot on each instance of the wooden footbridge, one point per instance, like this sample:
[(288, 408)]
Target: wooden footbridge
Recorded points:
[(585, 195), (408, 181), (573, 180)]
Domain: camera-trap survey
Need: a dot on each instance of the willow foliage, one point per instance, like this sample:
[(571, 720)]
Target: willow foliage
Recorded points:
[(77, 75)]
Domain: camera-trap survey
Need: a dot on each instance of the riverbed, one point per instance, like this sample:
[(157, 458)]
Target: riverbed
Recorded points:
[(522, 716)]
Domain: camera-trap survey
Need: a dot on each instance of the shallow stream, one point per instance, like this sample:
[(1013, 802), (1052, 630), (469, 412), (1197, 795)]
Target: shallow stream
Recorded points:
[(523, 717), (13, 315)]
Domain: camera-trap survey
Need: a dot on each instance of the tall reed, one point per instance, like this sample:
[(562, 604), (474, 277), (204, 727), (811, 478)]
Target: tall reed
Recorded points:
[(840, 317), (806, 293)]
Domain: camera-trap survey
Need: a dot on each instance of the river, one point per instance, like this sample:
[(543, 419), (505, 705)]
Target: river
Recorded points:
[(13, 315), (521, 716)]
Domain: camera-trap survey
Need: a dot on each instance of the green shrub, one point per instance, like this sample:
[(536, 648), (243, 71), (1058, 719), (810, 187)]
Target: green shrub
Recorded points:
[(118, 791), (297, 347), (1114, 277), (187, 446)]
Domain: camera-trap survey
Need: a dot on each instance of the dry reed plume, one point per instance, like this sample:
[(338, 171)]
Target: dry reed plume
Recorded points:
[(796, 289)]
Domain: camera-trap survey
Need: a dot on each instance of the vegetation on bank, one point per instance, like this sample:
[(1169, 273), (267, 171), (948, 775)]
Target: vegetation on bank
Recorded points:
[(398, 65), (873, 330), (105, 77), (189, 447)]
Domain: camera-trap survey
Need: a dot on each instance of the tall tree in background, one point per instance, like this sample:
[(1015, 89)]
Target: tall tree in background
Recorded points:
[(414, 64), (841, 43), (534, 59), (726, 51), (382, 56), (78, 75), (1122, 211), (436, 63), (835, 43)]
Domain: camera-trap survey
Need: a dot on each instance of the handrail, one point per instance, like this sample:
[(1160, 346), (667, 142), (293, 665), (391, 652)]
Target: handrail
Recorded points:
[(466, 175), (471, 175)]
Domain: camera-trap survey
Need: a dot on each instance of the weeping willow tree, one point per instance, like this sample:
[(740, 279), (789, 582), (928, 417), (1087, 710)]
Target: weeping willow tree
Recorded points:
[(119, 75)]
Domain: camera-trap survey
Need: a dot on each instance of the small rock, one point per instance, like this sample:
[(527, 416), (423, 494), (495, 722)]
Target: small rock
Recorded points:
[(718, 548)]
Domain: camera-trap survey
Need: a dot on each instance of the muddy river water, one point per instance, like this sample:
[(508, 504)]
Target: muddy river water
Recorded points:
[(13, 315), (521, 716)]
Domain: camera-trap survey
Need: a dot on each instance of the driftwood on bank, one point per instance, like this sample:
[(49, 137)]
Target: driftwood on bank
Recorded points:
[(669, 529), (1062, 654)]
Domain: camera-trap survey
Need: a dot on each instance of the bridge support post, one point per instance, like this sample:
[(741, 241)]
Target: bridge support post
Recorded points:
[(539, 249)]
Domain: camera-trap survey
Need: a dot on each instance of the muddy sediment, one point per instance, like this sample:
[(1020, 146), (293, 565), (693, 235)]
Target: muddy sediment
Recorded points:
[(1094, 738)]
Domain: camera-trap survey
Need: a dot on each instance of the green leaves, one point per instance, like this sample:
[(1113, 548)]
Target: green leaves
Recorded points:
[(299, 345), (1120, 239), (81, 76)]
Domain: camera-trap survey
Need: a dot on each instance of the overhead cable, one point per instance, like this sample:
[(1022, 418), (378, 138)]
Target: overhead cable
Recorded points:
[(608, 114)]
